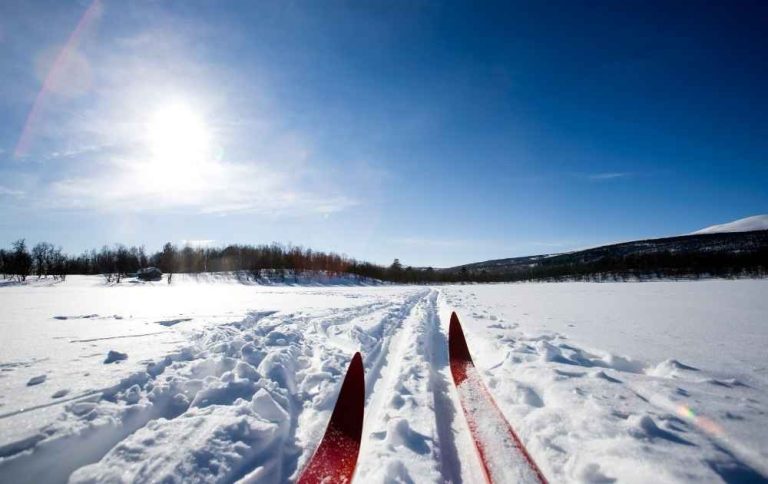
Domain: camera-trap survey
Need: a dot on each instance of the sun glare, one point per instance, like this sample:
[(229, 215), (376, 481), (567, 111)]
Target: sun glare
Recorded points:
[(179, 164), (178, 137)]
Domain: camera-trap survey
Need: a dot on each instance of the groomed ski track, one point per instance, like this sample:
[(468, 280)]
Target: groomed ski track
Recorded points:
[(260, 391), (248, 400), (412, 406)]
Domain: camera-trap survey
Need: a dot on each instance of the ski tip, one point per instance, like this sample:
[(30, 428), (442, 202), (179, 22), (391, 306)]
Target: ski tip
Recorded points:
[(455, 319), (357, 361), (355, 378), (348, 413), (457, 344)]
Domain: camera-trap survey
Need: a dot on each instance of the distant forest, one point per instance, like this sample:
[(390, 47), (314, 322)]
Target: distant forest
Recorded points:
[(116, 262), (722, 255), (719, 255)]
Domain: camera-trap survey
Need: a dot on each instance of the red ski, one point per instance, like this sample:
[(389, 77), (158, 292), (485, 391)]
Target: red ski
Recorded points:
[(336, 457), (503, 456)]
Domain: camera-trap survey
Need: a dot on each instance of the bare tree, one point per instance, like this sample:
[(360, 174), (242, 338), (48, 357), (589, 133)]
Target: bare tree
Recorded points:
[(59, 264), (21, 260), (168, 260), (42, 255), (142, 256), (122, 262), (105, 263)]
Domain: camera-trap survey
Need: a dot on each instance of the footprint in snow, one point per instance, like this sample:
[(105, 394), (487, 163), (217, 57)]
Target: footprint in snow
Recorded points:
[(594, 475), (733, 416), (36, 380), (172, 322), (82, 316), (114, 356), (604, 376), (570, 374), (643, 427), (528, 396), (727, 383), (399, 432), (669, 368)]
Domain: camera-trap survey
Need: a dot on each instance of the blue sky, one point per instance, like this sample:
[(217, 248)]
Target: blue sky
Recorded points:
[(437, 132)]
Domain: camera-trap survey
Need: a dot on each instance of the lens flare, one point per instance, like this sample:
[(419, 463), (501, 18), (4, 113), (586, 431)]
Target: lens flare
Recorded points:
[(58, 68), (703, 423)]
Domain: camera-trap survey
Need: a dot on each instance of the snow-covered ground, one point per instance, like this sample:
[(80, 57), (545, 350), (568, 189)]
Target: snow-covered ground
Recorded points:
[(213, 380), (756, 222)]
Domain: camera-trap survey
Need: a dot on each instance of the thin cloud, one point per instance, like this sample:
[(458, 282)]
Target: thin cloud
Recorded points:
[(104, 163), (607, 176), (74, 152), (10, 192), (224, 188)]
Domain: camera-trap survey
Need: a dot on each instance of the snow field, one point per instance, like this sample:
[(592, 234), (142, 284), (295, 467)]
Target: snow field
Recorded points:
[(223, 405), (590, 415), (756, 222), (61, 334), (226, 382)]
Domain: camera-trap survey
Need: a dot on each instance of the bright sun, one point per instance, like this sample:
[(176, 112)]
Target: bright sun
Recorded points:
[(177, 137)]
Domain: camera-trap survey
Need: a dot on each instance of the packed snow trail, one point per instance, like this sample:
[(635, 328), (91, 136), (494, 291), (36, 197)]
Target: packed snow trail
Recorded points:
[(243, 382), (409, 432)]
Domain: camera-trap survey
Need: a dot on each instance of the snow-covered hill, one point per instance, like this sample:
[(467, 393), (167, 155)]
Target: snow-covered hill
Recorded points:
[(736, 254), (756, 222), (211, 381)]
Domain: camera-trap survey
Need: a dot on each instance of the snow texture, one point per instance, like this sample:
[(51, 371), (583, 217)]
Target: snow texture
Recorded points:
[(756, 222), (234, 382)]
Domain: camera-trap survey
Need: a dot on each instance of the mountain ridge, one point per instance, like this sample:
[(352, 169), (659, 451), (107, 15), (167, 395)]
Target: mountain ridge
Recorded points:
[(747, 224), (722, 253)]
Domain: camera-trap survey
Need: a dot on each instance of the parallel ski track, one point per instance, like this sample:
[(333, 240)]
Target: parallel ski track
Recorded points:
[(447, 413), (405, 354), (399, 386), (413, 383)]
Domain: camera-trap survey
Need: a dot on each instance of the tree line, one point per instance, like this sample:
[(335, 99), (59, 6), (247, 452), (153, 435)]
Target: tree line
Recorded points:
[(666, 265), (114, 263), (118, 261), (43, 260)]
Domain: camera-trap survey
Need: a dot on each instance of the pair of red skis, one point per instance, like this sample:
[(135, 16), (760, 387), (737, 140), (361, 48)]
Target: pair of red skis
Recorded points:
[(502, 455)]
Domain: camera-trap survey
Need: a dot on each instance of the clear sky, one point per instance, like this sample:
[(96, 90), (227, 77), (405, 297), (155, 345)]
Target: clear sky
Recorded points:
[(437, 132)]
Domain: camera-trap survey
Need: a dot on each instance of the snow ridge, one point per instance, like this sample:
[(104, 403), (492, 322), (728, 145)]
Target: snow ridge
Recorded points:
[(748, 224)]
